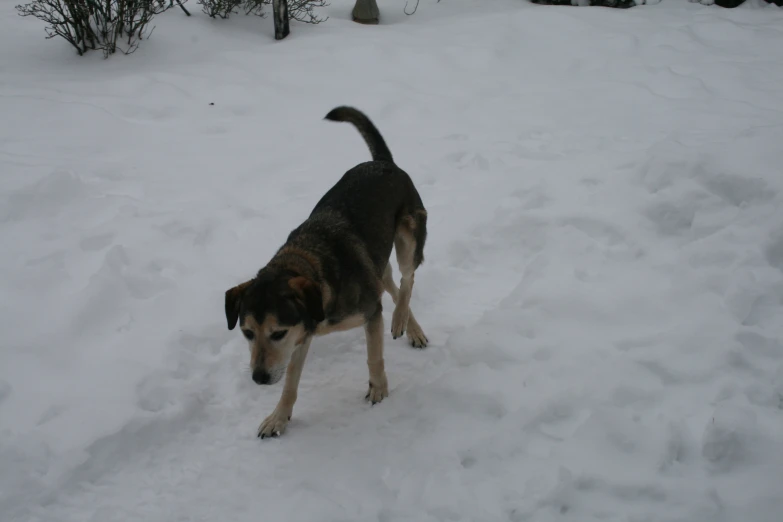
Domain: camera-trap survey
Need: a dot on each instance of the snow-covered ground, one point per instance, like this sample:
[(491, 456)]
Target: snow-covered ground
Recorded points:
[(603, 288)]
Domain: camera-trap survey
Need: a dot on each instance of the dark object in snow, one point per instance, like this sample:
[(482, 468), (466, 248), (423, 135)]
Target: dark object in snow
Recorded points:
[(778, 3), (212, 103), (280, 16), (366, 12), (619, 4), (729, 4)]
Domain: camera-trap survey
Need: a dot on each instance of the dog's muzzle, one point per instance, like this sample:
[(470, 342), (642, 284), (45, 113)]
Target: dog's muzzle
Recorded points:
[(261, 376)]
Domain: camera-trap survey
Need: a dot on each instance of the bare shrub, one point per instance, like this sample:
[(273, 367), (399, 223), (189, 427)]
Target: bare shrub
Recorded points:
[(304, 10), (299, 10), (220, 8), (107, 25)]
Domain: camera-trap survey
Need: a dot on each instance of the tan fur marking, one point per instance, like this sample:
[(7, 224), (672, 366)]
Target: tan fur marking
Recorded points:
[(233, 297), (278, 420), (300, 283), (414, 331), (408, 222), (404, 247), (315, 263), (379, 386), (311, 258), (350, 322), (326, 293), (292, 375), (240, 289), (263, 353)]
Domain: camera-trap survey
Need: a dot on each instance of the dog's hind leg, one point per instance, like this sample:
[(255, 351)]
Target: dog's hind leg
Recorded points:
[(373, 331), (415, 333), (409, 247), (276, 423)]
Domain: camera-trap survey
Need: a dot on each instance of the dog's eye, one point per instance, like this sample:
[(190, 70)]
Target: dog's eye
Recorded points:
[(248, 334), (278, 335)]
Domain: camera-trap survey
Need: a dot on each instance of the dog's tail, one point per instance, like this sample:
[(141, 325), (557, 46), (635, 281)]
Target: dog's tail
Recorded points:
[(378, 148)]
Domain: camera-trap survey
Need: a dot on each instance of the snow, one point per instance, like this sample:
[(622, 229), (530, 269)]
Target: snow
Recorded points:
[(603, 285)]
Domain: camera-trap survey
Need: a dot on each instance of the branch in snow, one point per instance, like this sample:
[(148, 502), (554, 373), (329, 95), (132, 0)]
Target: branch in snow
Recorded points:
[(219, 8), (299, 10), (414, 8)]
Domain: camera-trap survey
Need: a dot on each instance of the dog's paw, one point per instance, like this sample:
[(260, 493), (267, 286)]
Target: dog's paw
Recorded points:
[(274, 425), (399, 322), (377, 392), (416, 335)]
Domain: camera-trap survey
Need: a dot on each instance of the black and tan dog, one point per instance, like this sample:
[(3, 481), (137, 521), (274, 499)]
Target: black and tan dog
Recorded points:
[(331, 273)]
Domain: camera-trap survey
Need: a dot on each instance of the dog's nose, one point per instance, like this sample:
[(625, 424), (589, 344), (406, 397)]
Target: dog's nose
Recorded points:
[(260, 377)]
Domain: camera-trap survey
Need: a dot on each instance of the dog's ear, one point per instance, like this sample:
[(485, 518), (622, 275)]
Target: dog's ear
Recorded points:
[(310, 293), (233, 298)]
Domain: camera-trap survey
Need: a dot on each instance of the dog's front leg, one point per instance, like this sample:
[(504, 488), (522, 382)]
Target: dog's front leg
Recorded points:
[(275, 424), (373, 330)]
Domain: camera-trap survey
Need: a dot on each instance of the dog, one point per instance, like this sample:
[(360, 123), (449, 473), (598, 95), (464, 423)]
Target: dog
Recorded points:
[(331, 273)]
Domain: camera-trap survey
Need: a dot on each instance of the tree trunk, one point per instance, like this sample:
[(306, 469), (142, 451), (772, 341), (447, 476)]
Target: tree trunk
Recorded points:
[(366, 12), (280, 15)]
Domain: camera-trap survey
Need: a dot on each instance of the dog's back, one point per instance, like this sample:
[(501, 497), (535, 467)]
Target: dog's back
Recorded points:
[(374, 199)]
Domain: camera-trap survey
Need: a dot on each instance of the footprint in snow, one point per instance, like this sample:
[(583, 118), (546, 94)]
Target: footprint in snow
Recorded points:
[(733, 189), (757, 344), (729, 438), (774, 252), (214, 129), (5, 391), (463, 160), (603, 232), (46, 198), (96, 242), (155, 392), (671, 218)]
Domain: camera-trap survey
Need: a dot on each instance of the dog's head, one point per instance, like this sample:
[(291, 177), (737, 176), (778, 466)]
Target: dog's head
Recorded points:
[(277, 312)]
